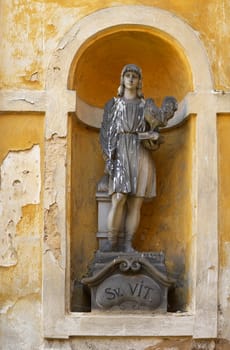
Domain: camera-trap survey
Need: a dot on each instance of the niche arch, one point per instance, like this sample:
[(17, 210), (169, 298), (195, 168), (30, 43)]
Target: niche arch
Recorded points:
[(59, 82), (96, 68)]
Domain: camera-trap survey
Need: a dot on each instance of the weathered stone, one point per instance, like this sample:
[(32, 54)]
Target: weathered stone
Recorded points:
[(129, 292), (168, 344), (100, 343), (203, 345), (134, 281), (52, 236), (222, 344)]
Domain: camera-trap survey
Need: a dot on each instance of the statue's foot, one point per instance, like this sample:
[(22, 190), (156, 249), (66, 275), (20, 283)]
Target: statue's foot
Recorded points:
[(128, 247), (110, 246)]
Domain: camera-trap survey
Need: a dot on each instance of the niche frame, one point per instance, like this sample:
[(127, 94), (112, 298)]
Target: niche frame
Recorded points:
[(201, 322)]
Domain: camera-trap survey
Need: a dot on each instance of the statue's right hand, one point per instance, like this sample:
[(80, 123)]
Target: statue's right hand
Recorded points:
[(109, 167)]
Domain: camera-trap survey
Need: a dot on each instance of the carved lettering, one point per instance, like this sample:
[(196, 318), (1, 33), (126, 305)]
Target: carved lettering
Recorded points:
[(118, 292), (147, 292), (140, 288), (133, 290), (137, 290), (111, 293)]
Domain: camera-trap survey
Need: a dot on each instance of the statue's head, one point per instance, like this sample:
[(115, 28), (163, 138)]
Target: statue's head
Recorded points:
[(130, 68)]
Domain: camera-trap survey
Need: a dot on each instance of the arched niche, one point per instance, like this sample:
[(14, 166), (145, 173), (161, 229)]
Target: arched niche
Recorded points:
[(165, 221), (97, 65), (181, 41)]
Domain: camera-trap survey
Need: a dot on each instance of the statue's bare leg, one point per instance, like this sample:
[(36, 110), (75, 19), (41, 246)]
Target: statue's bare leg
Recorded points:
[(132, 220), (115, 218)]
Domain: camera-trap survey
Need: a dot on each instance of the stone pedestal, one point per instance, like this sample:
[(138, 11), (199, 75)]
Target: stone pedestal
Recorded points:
[(104, 205), (124, 281), (132, 282)]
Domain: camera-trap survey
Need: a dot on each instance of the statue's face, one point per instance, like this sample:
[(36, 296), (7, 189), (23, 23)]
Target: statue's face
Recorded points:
[(131, 80)]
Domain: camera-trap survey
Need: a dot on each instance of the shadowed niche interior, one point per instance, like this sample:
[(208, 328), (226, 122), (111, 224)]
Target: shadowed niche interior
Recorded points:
[(166, 221)]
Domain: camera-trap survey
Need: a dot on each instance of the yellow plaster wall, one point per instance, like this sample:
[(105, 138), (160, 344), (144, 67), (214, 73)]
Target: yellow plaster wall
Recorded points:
[(166, 222), (223, 124), (99, 63), (86, 170), (30, 31), (24, 279), (20, 284), (223, 127), (20, 132)]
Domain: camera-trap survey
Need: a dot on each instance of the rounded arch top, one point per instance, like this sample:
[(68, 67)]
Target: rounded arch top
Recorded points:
[(96, 68), (152, 17)]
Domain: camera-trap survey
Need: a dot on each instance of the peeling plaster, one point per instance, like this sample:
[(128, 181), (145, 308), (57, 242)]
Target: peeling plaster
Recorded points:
[(100, 343), (52, 236), (20, 185), (54, 163), (184, 344), (15, 203)]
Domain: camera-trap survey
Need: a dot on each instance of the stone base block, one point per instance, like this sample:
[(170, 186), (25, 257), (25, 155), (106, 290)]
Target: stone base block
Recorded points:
[(128, 281)]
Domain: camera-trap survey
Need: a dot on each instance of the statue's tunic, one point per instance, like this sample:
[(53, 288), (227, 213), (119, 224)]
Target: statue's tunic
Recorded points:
[(133, 167)]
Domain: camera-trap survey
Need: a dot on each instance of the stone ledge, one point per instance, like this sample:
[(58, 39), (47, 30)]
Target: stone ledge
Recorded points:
[(120, 324)]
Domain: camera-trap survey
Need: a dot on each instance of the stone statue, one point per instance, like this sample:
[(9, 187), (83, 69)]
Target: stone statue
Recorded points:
[(129, 132)]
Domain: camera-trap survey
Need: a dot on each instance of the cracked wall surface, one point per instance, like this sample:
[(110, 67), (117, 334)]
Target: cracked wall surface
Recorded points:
[(20, 186), (55, 164), (52, 236), (40, 25), (21, 222), (31, 30)]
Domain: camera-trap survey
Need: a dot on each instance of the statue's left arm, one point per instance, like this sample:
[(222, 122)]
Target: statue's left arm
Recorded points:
[(108, 135)]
